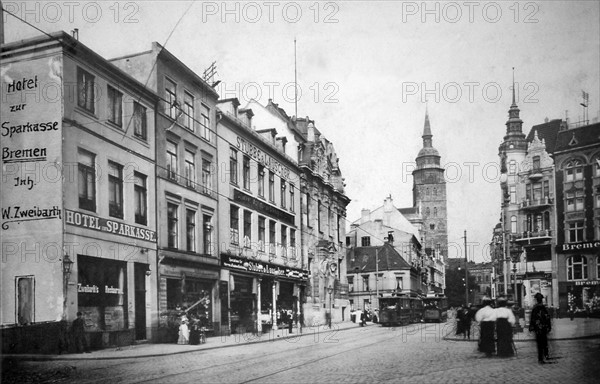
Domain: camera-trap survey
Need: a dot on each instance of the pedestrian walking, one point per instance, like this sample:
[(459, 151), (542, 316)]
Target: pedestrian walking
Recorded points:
[(505, 319), (460, 324), (486, 317), (363, 318), (467, 319), (184, 331), (78, 329), (541, 324)]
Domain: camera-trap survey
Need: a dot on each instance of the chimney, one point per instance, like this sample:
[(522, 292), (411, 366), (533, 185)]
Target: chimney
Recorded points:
[(388, 205), (390, 237), (365, 216), (75, 33)]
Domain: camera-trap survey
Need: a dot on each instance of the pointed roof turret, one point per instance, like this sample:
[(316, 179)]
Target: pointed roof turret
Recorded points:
[(514, 138), (428, 149)]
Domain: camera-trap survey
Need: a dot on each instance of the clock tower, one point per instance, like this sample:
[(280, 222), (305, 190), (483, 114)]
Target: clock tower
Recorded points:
[(429, 195)]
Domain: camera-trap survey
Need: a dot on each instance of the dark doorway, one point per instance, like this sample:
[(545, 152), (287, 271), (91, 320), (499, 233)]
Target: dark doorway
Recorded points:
[(140, 300)]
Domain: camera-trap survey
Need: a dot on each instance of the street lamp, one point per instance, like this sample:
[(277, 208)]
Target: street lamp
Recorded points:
[(515, 298), (67, 267)]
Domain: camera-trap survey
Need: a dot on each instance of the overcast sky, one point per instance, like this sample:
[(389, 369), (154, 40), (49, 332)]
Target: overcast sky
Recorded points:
[(364, 71)]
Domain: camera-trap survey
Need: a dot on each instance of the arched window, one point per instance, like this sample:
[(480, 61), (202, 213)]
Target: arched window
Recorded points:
[(434, 191), (573, 170), (427, 192), (434, 211), (577, 268), (513, 224)]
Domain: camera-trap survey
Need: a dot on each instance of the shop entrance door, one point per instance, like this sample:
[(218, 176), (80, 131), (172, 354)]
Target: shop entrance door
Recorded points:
[(140, 301)]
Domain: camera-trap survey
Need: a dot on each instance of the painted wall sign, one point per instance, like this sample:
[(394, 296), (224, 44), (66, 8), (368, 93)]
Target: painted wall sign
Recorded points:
[(576, 247), (234, 262), (264, 159), (31, 200), (84, 220), (262, 207)]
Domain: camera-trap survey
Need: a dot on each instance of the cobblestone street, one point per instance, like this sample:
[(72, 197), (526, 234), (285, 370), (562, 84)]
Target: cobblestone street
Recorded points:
[(415, 354)]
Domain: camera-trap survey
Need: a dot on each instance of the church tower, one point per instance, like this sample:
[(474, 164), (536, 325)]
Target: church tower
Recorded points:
[(429, 195)]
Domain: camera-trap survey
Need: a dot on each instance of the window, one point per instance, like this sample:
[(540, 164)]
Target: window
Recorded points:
[(283, 193), (597, 201), (574, 200), (233, 164), (365, 241), (190, 227), (87, 180), (85, 90), (398, 283), (115, 106), (234, 225), (115, 190), (206, 234), (307, 205), (261, 233), (597, 170), (319, 216), (365, 280), (350, 285), (512, 167), (577, 268), (293, 244), (140, 128), (205, 122), (206, 177), (25, 300), (575, 232), (247, 228), (188, 111), (536, 163), (513, 224), (271, 237), (261, 181), (271, 186), (434, 211), (171, 160), (171, 99), (513, 194), (427, 211), (140, 198), (573, 170), (246, 172), (172, 225), (190, 168), (292, 203), (284, 242), (432, 227)]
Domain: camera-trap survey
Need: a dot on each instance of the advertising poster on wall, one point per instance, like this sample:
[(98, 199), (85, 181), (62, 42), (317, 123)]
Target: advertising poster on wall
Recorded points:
[(31, 188)]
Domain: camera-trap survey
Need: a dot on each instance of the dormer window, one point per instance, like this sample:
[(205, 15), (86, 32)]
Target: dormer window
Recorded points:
[(536, 163)]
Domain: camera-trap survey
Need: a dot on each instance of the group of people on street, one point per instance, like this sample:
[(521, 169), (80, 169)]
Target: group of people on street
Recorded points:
[(496, 322), (496, 328)]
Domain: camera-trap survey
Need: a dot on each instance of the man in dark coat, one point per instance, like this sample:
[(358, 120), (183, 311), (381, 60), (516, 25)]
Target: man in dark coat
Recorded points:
[(541, 324), (78, 329)]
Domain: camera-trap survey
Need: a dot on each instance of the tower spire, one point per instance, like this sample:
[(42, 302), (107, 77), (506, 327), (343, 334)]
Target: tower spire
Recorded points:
[(513, 88), (427, 141)]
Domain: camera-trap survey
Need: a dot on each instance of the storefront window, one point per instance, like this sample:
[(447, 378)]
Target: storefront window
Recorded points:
[(192, 294), (102, 293)]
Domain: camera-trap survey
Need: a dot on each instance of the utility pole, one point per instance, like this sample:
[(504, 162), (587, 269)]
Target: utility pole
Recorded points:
[(466, 271)]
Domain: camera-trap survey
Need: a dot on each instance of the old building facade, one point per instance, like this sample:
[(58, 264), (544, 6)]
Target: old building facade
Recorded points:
[(186, 205), (78, 186), (262, 272)]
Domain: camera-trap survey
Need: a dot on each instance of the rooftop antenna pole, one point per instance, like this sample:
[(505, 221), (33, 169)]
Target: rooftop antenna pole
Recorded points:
[(295, 83)]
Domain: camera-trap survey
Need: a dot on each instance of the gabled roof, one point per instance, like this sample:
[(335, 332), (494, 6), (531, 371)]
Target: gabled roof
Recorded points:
[(364, 259), (582, 136), (548, 132)]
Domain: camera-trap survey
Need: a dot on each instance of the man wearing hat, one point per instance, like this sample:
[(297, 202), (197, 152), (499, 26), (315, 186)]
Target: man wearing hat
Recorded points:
[(541, 324)]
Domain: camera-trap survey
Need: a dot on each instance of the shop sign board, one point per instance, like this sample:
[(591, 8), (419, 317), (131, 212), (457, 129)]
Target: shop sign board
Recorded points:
[(577, 247), (84, 220), (234, 262)]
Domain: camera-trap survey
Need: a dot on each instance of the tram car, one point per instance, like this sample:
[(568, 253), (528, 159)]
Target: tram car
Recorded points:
[(435, 309), (400, 310)]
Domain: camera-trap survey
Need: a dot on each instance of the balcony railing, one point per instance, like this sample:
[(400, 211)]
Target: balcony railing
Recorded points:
[(537, 203), (544, 234)]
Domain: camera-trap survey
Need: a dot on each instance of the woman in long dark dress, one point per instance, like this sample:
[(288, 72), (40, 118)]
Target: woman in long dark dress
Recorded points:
[(460, 322), (505, 319), (486, 317)]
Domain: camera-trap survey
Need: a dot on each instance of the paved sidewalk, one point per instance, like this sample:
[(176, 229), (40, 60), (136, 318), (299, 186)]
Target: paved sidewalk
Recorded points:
[(151, 350), (562, 329)]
